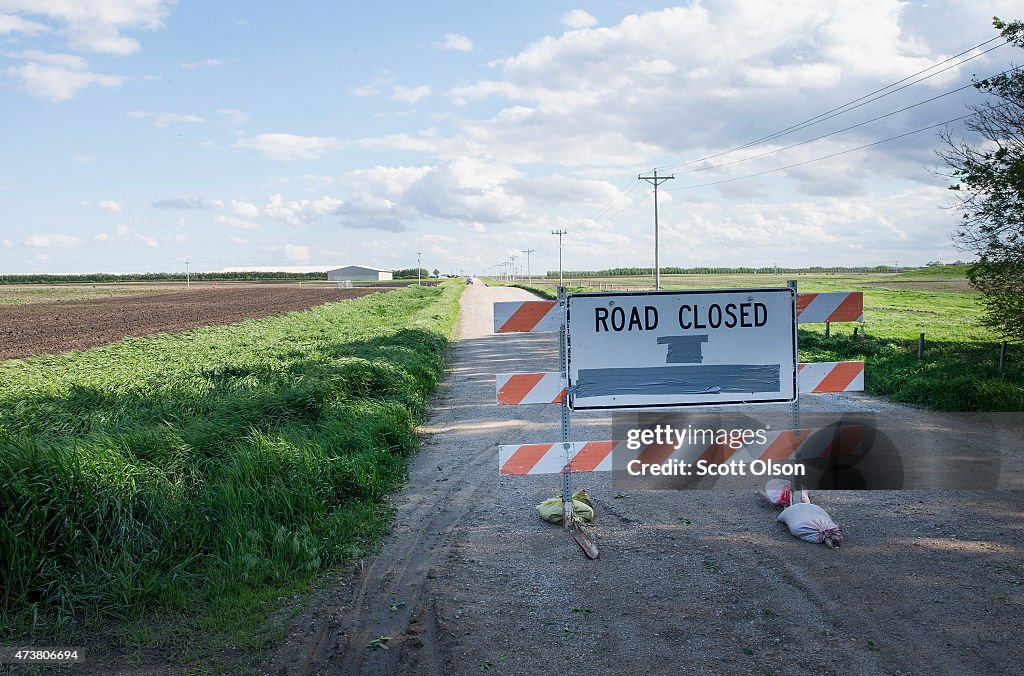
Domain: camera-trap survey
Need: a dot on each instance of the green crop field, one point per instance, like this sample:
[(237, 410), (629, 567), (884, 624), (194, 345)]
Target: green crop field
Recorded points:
[(959, 371), (193, 477)]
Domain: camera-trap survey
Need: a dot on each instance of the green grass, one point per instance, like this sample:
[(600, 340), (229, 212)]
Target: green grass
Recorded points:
[(959, 371), (938, 272), (198, 475)]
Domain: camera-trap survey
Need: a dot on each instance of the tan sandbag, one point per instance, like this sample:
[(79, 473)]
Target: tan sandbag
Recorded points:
[(551, 510), (582, 496)]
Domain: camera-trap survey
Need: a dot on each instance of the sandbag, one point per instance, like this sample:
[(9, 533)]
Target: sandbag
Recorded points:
[(551, 510), (777, 491), (811, 523)]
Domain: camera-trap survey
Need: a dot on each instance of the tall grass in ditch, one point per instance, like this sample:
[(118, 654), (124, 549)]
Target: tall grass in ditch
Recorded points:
[(174, 471)]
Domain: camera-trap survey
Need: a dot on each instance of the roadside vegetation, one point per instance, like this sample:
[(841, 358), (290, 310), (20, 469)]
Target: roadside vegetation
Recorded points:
[(171, 486), (959, 370)]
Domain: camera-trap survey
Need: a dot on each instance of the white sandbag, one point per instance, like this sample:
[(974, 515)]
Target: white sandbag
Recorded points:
[(811, 523), (777, 492)]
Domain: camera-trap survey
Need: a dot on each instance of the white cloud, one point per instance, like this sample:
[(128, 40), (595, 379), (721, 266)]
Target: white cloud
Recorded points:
[(238, 240), (236, 222), (204, 203), (7, 244), (288, 147), (578, 18), (410, 94), (296, 253), (427, 141), (464, 191), (166, 119), (379, 83), (298, 212), (245, 209), (58, 77), (95, 26), (684, 80), (206, 63), (16, 24), (110, 206), (456, 42), (59, 241), (84, 158), (122, 233), (233, 116)]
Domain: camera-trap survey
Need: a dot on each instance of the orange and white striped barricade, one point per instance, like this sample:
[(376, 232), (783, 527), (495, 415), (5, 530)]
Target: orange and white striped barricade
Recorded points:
[(604, 456), (533, 316), (527, 316), (518, 389), (833, 306)]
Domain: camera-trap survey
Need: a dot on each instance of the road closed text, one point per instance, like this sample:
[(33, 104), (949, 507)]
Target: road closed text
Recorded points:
[(704, 468), (748, 315)]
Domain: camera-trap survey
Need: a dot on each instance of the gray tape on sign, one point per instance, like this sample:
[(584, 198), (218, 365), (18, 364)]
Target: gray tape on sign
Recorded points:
[(697, 379)]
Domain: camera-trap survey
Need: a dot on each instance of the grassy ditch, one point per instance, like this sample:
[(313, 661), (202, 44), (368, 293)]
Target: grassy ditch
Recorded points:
[(959, 369), (202, 473)]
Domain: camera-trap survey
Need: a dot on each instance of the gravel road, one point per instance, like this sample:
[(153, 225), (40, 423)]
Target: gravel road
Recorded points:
[(929, 579)]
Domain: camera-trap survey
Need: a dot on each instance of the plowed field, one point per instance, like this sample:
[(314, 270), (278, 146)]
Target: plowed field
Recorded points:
[(52, 328)]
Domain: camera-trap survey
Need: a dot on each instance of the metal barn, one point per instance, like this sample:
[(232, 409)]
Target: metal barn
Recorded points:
[(358, 273)]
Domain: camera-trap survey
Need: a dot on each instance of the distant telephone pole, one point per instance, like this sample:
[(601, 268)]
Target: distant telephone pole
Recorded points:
[(560, 233), (656, 180), (513, 259), (529, 277), (187, 278), (418, 267)]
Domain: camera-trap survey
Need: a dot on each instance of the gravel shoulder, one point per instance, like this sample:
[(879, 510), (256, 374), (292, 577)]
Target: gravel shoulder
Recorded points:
[(693, 581)]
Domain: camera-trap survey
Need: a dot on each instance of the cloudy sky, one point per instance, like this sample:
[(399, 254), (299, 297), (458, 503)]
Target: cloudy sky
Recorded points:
[(142, 133)]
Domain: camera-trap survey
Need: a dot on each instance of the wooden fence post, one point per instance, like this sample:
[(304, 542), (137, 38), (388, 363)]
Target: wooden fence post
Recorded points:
[(1002, 356), (920, 346)]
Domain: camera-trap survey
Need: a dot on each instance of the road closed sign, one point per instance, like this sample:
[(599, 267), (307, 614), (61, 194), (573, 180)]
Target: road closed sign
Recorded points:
[(661, 349)]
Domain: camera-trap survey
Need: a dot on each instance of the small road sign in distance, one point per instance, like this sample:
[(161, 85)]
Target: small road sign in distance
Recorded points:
[(666, 349)]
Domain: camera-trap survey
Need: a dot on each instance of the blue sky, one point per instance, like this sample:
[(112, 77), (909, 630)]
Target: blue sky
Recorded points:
[(142, 133)]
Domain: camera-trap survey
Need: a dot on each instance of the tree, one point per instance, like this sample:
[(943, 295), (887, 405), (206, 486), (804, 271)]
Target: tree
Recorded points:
[(989, 191)]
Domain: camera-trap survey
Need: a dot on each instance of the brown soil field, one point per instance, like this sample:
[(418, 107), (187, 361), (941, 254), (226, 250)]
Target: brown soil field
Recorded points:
[(52, 328)]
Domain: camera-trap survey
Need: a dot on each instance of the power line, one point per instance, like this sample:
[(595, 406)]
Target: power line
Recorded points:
[(824, 157), (628, 208), (850, 105), (622, 193), (839, 131)]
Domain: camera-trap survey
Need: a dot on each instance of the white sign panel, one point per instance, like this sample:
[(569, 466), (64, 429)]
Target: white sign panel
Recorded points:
[(681, 348)]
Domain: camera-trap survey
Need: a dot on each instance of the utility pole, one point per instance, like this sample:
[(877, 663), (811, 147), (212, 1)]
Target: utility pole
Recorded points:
[(529, 277), (560, 233), (418, 267), (513, 259), (656, 180), (188, 283)]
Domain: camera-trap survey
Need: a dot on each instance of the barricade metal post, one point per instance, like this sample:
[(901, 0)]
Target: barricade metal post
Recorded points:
[(795, 406), (567, 508)]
